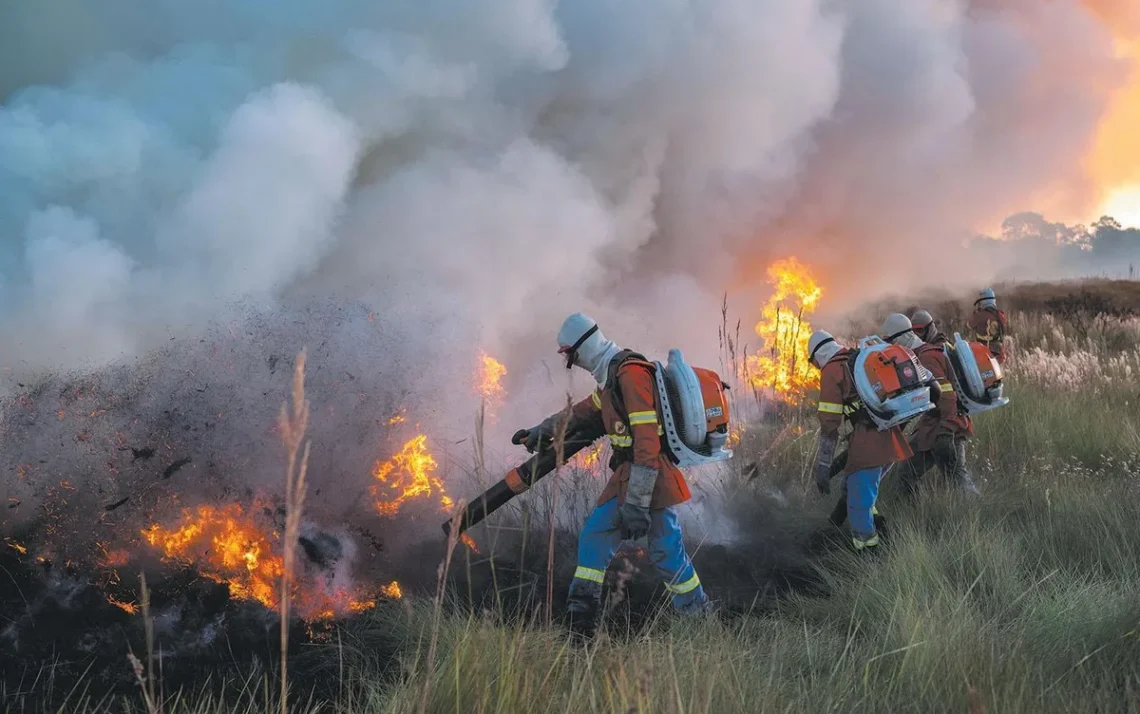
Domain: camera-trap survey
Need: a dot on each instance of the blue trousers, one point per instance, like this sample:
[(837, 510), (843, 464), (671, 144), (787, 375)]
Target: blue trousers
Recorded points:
[(862, 492), (599, 540)]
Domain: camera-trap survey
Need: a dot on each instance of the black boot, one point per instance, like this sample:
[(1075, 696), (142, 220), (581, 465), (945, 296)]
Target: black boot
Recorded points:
[(582, 626), (582, 608)]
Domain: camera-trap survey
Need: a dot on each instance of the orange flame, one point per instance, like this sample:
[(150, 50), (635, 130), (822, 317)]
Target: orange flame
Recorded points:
[(229, 548), (397, 418), (488, 380), (589, 459), (735, 434), (392, 591), (408, 475), (782, 365)]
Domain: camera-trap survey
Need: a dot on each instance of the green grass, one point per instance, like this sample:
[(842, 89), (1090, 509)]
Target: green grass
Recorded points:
[(1022, 601), (1028, 598)]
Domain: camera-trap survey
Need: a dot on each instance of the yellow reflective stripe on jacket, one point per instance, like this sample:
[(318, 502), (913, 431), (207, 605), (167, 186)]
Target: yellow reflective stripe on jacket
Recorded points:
[(830, 408), (618, 440), (594, 576), (686, 587), (637, 418), (596, 399)]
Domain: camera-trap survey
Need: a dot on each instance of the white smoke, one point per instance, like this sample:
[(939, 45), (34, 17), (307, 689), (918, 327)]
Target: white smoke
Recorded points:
[(483, 168)]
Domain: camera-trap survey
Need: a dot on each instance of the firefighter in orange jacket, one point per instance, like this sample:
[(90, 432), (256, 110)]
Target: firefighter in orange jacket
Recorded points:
[(939, 439), (869, 450), (640, 497), (988, 324)]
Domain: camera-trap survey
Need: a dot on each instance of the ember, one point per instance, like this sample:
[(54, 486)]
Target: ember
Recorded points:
[(15, 546), (469, 542), (128, 607)]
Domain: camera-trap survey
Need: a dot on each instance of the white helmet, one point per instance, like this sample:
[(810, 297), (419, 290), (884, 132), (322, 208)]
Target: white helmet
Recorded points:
[(584, 345), (822, 347), (897, 330), (923, 324), (986, 298)]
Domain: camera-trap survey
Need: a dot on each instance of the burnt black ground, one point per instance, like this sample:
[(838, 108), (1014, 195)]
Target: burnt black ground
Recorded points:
[(58, 621)]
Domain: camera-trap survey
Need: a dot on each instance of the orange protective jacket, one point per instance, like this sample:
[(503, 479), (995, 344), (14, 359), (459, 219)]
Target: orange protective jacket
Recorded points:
[(988, 325), (868, 447), (945, 419), (634, 433)]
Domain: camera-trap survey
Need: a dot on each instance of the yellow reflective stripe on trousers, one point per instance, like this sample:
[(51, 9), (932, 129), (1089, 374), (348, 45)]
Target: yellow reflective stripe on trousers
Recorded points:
[(594, 576), (869, 543), (636, 418), (686, 587), (621, 440), (946, 386), (830, 408), (596, 399)]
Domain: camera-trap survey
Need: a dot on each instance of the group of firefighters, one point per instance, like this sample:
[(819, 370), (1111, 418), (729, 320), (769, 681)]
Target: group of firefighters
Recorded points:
[(645, 487), (939, 435)]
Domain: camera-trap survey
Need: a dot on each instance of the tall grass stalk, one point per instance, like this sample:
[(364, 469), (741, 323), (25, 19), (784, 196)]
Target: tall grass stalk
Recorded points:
[(151, 696), (293, 424)]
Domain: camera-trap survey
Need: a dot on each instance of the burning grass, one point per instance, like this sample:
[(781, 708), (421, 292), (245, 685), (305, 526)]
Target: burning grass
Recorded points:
[(1023, 601), (410, 474), (781, 366)]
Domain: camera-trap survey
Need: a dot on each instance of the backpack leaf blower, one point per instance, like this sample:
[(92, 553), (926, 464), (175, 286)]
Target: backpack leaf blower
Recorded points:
[(694, 413)]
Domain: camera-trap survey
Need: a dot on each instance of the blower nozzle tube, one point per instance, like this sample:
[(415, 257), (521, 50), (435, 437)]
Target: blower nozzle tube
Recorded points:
[(522, 477)]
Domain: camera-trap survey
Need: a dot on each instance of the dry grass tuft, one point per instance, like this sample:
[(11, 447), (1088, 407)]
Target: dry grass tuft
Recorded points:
[(293, 425)]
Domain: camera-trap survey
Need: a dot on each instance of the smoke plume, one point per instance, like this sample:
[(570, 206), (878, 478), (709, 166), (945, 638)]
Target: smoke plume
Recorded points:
[(484, 168)]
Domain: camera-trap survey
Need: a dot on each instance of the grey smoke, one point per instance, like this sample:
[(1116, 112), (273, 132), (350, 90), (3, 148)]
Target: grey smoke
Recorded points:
[(496, 164), (189, 190)]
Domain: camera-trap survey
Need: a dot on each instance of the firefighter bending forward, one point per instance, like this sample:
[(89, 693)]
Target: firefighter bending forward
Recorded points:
[(640, 497), (869, 450)]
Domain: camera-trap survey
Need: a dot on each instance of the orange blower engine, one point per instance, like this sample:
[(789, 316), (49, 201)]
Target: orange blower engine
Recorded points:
[(893, 387)]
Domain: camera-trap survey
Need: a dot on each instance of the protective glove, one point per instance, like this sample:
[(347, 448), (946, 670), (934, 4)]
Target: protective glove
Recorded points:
[(543, 433), (635, 511), (823, 465)]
